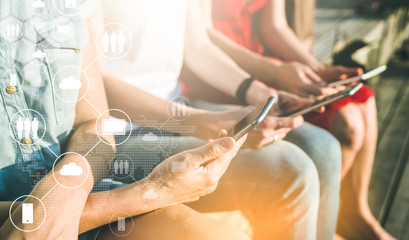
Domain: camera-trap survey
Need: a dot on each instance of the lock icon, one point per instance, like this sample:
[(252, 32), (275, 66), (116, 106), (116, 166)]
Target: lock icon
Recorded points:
[(70, 3)]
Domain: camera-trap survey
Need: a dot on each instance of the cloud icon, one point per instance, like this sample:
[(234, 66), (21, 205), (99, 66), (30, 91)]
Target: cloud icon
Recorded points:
[(150, 137), (150, 194), (71, 169), (38, 54), (70, 83), (38, 4)]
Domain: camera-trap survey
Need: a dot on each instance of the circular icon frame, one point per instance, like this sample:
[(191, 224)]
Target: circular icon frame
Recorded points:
[(27, 196), (12, 26), (111, 221), (44, 124), (148, 139), (111, 119), (64, 85), (113, 171), (104, 45), (87, 170), (177, 109)]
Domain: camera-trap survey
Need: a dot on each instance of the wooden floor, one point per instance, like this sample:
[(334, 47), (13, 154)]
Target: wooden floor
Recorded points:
[(389, 191), (336, 21)]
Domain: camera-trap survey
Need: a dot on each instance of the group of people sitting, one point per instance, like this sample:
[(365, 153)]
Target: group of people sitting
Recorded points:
[(291, 178)]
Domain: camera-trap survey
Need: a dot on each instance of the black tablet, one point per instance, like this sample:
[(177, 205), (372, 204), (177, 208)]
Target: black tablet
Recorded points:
[(325, 101)]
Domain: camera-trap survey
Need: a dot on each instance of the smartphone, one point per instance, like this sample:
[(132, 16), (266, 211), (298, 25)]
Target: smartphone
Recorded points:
[(251, 121), (363, 77), (27, 213), (121, 224), (325, 101)]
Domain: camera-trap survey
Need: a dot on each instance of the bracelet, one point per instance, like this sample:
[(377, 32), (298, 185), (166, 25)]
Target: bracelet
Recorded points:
[(242, 90)]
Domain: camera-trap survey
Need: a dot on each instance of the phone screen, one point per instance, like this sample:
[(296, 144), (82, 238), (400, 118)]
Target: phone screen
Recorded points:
[(252, 120)]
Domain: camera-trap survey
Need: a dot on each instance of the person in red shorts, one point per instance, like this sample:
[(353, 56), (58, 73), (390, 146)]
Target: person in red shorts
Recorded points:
[(259, 27)]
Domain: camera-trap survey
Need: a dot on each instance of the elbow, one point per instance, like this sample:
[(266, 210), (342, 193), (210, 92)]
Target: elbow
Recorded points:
[(271, 30)]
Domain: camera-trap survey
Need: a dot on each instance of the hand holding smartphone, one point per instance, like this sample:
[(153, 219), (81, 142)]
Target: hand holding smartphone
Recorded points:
[(251, 121)]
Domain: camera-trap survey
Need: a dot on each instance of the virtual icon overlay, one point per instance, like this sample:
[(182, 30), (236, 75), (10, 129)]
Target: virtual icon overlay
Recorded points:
[(113, 41), (68, 82), (118, 124), (12, 29), (150, 137), (121, 166), (73, 174), (28, 127), (30, 215), (178, 109), (121, 224)]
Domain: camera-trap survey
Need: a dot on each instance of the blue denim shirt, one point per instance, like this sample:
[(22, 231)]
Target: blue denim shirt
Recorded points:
[(34, 47)]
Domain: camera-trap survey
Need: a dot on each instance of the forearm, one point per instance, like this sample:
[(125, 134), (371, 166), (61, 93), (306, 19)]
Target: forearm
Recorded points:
[(101, 208), (132, 100), (214, 67), (220, 71), (283, 43), (206, 60), (62, 206), (280, 39), (255, 64)]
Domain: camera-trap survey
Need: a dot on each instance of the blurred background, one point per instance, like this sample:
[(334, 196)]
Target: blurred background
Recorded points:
[(369, 33)]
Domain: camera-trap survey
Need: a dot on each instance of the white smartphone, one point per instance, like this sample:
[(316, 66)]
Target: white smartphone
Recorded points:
[(27, 213), (363, 77), (121, 224), (251, 121)]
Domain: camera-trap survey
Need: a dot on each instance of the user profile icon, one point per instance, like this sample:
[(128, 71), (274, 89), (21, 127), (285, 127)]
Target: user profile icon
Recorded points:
[(12, 29), (113, 41)]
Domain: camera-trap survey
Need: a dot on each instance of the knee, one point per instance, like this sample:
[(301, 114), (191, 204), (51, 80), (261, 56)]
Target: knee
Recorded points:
[(219, 231), (191, 224), (370, 105), (306, 183), (328, 158), (322, 147), (348, 126), (297, 174)]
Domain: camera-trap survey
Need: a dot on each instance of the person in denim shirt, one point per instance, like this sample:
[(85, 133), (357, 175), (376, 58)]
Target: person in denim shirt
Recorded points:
[(53, 147)]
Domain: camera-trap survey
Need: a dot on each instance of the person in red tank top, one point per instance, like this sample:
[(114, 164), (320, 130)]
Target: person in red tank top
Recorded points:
[(260, 26)]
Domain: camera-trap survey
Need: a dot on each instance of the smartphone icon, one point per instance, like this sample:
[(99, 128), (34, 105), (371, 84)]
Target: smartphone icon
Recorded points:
[(121, 224), (27, 212)]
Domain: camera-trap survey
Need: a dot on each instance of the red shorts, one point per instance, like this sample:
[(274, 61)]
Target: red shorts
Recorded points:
[(324, 119)]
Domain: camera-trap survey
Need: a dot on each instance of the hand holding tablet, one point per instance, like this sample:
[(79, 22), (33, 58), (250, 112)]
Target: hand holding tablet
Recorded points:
[(363, 77), (325, 101)]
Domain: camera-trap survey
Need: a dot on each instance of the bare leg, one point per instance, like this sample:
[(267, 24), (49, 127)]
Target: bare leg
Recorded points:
[(348, 127), (176, 222), (356, 220)]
